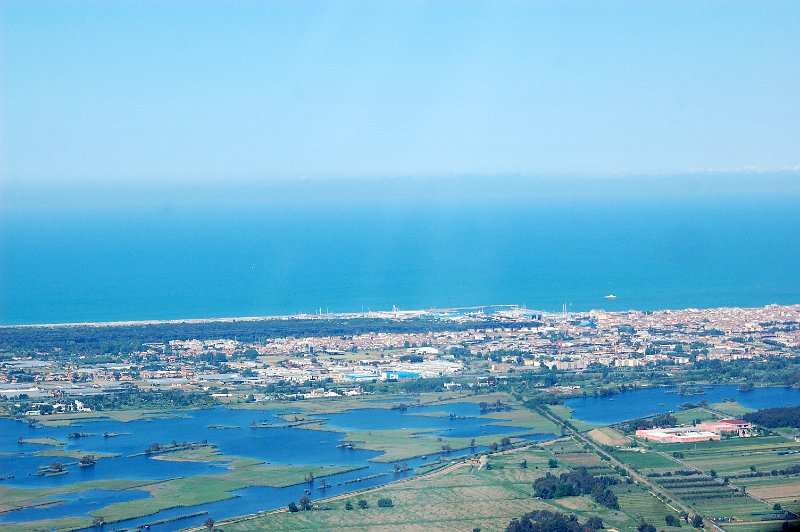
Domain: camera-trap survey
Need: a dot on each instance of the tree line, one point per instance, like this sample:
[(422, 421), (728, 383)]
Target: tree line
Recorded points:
[(124, 338), (547, 521), (661, 420), (785, 416)]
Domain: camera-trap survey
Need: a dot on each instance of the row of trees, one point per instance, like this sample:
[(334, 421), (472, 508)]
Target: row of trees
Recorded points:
[(662, 420), (126, 338), (547, 521), (305, 504)]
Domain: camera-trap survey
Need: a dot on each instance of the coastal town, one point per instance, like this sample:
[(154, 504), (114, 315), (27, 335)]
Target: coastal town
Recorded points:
[(641, 407), (470, 347)]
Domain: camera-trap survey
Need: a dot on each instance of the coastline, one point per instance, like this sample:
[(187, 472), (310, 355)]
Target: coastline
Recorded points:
[(372, 314)]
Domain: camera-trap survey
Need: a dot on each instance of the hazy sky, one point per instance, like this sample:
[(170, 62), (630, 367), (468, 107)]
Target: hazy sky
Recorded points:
[(129, 91)]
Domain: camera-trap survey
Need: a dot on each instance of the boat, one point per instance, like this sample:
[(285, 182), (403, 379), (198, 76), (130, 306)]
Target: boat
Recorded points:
[(610, 296)]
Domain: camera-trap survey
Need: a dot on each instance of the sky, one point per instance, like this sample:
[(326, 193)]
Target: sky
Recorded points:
[(128, 93)]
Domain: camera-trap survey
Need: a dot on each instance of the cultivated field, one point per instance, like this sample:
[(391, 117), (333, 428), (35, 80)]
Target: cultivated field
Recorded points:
[(461, 498), (609, 436)]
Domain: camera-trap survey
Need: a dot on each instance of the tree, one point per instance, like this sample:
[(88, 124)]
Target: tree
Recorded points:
[(541, 520), (594, 523), (644, 526), (523, 464), (697, 521), (305, 503), (505, 442), (713, 473), (552, 463), (564, 490), (671, 520), (363, 504), (348, 505), (385, 503), (776, 506), (209, 523), (293, 507)]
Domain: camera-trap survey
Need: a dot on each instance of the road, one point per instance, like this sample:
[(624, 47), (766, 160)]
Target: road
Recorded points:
[(654, 489)]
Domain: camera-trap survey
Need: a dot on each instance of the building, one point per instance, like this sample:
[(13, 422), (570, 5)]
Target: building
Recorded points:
[(677, 435), (727, 427)]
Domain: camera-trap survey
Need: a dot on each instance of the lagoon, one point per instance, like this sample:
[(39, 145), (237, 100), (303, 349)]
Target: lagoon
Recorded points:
[(287, 445), (279, 446), (644, 402)]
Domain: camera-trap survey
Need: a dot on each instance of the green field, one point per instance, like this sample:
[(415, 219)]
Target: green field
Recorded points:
[(739, 463), (461, 498), (77, 454), (640, 504), (565, 412), (730, 445), (65, 420), (178, 492), (646, 460), (685, 417), (760, 527), (732, 409), (525, 419)]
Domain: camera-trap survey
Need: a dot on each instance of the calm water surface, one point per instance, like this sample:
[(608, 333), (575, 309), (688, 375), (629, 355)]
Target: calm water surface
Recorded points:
[(648, 401), (275, 445), (652, 254)]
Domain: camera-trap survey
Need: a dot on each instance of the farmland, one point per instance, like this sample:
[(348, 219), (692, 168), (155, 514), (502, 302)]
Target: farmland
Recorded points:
[(462, 497), (736, 482)]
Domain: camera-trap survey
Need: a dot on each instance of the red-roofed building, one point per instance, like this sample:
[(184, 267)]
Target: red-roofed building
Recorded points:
[(727, 426)]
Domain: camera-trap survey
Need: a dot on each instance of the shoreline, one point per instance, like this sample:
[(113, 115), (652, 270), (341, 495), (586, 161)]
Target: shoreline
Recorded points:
[(370, 314)]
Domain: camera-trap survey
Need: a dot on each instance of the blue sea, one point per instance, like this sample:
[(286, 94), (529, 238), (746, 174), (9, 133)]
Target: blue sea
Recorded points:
[(171, 258)]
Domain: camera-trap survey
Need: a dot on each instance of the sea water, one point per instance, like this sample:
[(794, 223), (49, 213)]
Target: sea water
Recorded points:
[(105, 264)]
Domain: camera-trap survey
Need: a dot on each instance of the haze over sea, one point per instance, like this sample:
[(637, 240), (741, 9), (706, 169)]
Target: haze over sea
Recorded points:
[(167, 252)]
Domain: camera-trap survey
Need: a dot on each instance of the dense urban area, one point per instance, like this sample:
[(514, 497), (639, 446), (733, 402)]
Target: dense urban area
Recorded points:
[(270, 359)]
